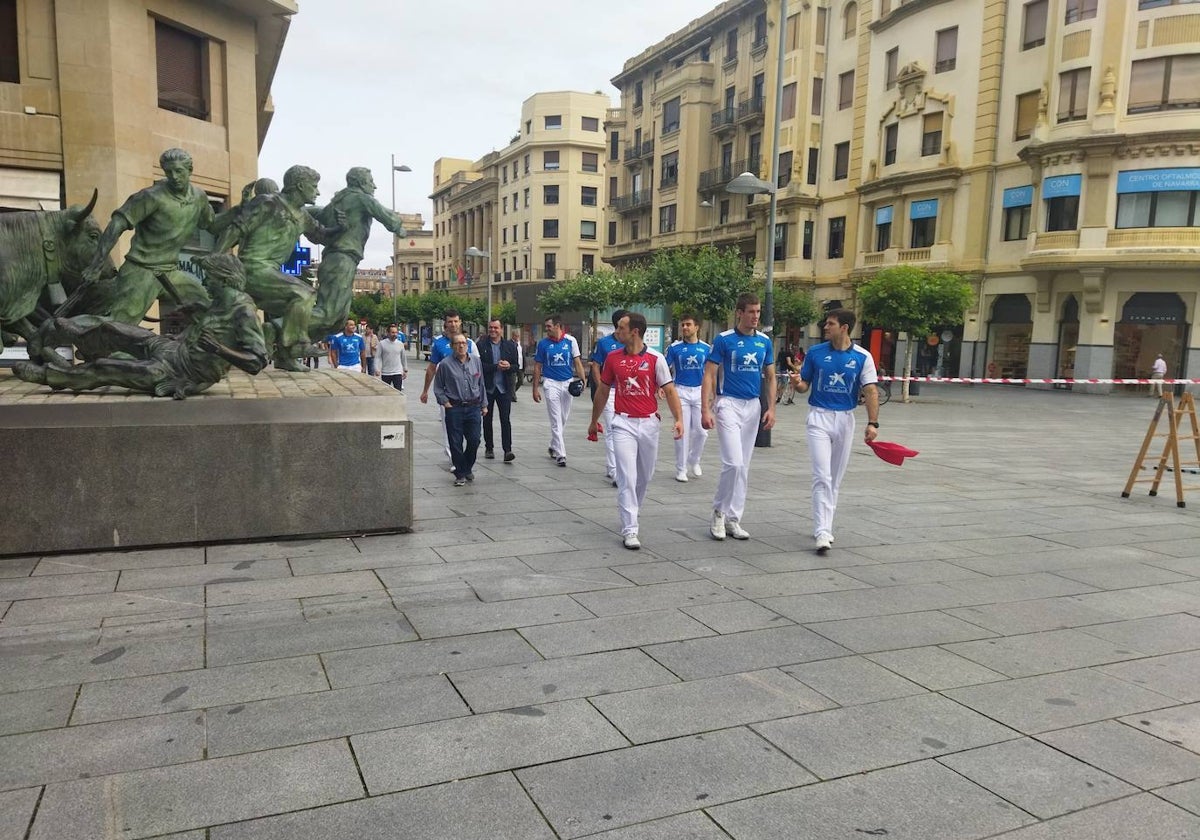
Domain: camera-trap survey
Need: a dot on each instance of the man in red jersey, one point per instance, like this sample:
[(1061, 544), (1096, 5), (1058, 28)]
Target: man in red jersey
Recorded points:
[(635, 372)]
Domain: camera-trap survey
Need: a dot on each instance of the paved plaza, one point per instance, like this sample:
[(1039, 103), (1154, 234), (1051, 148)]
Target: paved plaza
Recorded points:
[(998, 645)]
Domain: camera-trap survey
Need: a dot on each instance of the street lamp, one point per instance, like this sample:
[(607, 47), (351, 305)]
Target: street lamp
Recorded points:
[(395, 268), (708, 205), (475, 253)]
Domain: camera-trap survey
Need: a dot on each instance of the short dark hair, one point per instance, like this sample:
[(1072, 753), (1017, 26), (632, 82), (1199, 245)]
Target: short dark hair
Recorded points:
[(556, 320), (746, 299), (451, 313), (618, 315), (495, 321), (637, 321), (845, 317), (688, 316)]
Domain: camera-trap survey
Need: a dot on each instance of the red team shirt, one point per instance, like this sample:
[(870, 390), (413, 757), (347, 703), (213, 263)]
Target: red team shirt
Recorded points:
[(634, 379)]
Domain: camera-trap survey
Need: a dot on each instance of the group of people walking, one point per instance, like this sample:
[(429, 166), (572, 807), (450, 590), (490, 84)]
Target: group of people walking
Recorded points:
[(729, 386)]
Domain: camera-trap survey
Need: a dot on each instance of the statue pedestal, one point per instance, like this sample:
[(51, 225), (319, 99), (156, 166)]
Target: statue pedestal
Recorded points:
[(277, 455)]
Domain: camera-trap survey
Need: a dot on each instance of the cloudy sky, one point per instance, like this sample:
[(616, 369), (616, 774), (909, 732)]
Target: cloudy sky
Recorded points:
[(362, 80)]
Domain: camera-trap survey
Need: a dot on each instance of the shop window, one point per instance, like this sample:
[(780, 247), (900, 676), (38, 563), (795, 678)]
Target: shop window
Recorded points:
[(1158, 209)]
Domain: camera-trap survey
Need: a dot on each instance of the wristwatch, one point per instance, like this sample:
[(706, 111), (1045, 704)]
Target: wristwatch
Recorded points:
[(873, 423)]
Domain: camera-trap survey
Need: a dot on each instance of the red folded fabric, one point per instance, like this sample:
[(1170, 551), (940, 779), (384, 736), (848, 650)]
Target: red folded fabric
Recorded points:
[(893, 453)]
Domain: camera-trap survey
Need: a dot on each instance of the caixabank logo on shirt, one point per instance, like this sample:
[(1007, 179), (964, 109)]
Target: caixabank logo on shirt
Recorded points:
[(749, 356)]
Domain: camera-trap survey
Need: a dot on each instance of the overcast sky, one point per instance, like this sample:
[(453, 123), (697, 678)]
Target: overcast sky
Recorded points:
[(361, 80)]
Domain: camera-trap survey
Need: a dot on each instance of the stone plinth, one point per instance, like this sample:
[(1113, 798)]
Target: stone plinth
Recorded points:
[(273, 456)]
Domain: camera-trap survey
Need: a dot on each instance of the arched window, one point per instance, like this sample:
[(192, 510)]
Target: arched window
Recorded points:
[(850, 20)]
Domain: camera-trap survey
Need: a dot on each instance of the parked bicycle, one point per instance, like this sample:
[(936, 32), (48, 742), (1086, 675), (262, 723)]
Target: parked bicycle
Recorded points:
[(884, 388)]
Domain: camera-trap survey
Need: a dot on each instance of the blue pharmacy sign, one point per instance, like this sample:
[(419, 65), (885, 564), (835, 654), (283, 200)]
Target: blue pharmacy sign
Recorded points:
[(1062, 186), (883, 215), (300, 259), (1158, 180), (926, 209), (1018, 196)]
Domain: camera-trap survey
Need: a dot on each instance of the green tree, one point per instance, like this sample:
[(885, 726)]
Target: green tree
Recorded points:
[(592, 293), (704, 280), (915, 300), (793, 307), (506, 312)]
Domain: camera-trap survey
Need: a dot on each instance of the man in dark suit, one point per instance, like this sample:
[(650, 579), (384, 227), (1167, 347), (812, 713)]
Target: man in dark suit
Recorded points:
[(498, 355)]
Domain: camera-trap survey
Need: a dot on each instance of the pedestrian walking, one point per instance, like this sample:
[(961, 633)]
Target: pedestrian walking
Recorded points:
[(605, 345), (634, 374), (833, 375), (1158, 372), (745, 361), (498, 357), (458, 389), (686, 359), (393, 358), (786, 365), (519, 376), (370, 348), (347, 350), (557, 361), (441, 348)]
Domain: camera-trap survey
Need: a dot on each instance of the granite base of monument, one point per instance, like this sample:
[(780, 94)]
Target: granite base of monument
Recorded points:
[(276, 456)]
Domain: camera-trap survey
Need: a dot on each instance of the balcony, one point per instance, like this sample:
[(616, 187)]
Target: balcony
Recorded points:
[(1055, 241), (1188, 237), (712, 179), (723, 119), (751, 110), (636, 152), (933, 255), (632, 202)]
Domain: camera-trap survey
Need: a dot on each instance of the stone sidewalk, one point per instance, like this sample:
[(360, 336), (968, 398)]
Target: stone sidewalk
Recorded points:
[(998, 645)]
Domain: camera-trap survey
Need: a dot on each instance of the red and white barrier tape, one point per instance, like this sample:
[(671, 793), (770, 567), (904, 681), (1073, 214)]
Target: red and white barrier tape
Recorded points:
[(1013, 381)]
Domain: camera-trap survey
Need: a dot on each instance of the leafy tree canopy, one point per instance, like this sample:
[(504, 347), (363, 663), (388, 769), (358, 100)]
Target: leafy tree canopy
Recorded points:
[(915, 299), (705, 280)]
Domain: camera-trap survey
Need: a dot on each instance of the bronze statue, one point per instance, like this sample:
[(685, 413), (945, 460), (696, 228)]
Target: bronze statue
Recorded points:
[(223, 332)]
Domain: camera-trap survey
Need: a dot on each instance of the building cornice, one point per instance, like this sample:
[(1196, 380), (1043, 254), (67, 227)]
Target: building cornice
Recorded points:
[(684, 40)]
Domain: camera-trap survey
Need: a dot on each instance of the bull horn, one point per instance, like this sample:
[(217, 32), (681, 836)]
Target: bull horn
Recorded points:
[(87, 211)]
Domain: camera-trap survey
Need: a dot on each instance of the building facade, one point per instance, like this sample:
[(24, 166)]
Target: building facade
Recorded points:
[(412, 257)]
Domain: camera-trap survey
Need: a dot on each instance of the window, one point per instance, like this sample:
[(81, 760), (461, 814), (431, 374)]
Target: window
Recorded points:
[(637, 95), (505, 205), (1016, 223), (612, 233), (781, 239), (550, 161), (891, 61), (758, 87), (723, 215), (591, 162), (755, 152), (179, 57), (818, 93), (1033, 32), (10, 60), (760, 29), (850, 20), (590, 123), (883, 228), (731, 45), (841, 161), (822, 25), (788, 106), (1062, 213), (612, 189), (891, 137), (1073, 94), (947, 50), (527, 197), (554, 123), (587, 230), (588, 196), (793, 33), (669, 167), (525, 232), (814, 157), (503, 236), (845, 90), (1027, 113), (837, 237), (1162, 84), (922, 232), (514, 236), (1157, 207), (931, 134), (549, 265), (589, 263), (550, 194), (806, 246), (526, 166), (528, 126), (666, 218), (614, 145), (517, 202), (670, 116), (1078, 10), (504, 174), (634, 229), (550, 228), (785, 169)]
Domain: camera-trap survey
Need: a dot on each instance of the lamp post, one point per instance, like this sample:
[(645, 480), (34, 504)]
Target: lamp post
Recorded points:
[(708, 205), (395, 268), (475, 253)]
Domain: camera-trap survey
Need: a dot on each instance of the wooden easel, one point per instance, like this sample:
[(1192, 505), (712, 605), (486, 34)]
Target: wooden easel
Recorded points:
[(1186, 406)]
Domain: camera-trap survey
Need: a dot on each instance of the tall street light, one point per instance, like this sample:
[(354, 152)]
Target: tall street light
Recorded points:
[(485, 255), (395, 268)]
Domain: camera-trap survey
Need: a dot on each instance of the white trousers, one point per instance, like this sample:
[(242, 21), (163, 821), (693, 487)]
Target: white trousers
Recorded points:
[(558, 408), (689, 447), (442, 425), (737, 426), (830, 437), (635, 441), (610, 454)]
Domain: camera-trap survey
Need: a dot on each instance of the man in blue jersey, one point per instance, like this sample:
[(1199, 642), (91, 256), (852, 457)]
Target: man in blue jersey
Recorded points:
[(686, 358), (745, 360), (604, 346), (557, 360), (347, 350), (443, 348), (835, 372)]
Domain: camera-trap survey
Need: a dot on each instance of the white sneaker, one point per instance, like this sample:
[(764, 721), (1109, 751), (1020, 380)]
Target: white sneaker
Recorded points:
[(734, 529), (696, 471), (824, 541), (681, 475), (632, 542), (717, 526)]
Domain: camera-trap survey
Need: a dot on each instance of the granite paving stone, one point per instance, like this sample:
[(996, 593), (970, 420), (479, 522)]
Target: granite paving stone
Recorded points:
[(1156, 635), (112, 561), (613, 633), (567, 678), (488, 808), (1186, 796), (536, 584), (920, 801), (198, 689), (16, 810), (1043, 653), (41, 708), (893, 573), (384, 663), (736, 616), (146, 803), (657, 596), (1143, 602), (56, 755), (1126, 753), (396, 577), (298, 638), (57, 586), (1136, 816), (18, 567), (793, 583), (208, 574), (138, 658), (292, 587), (75, 608), (749, 651), (860, 738), (662, 571), (425, 754), (1179, 725), (862, 603), (461, 619), (893, 632), (1017, 617), (1176, 675), (505, 548), (692, 826), (1122, 575), (853, 680), (586, 795), (316, 565), (273, 550)]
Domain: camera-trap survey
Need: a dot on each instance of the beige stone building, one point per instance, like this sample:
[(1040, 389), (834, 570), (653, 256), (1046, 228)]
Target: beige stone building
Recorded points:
[(539, 200), (1048, 149), (412, 257)]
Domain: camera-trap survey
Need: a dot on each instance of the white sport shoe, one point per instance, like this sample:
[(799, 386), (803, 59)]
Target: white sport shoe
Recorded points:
[(632, 542), (734, 529), (681, 475), (696, 471), (717, 526), (824, 541)]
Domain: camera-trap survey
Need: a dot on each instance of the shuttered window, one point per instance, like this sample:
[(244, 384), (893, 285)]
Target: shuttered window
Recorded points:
[(10, 64), (1027, 113), (180, 58)]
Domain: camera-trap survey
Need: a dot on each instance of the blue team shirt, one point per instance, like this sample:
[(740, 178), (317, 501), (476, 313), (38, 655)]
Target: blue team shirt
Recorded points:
[(347, 349), (741, 359), (837, 376), (687, 360), (603, 347), (441, 348), (556, 358)]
